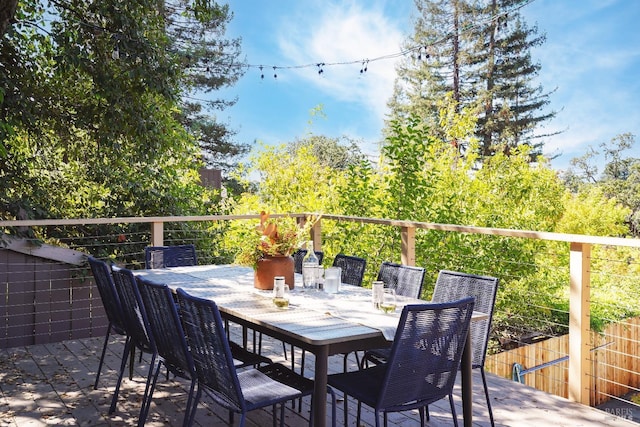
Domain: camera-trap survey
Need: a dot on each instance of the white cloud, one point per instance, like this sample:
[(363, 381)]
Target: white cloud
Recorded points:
[(339, 32)]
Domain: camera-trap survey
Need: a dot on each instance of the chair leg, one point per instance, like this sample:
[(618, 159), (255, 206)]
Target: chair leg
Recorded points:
[(104, 350), (486, 394), (123, 364), (132, 360), (453, 411), (333, 406), (302, 362), (346, 411), (273, 414), (190, 414), (152, 378), (190, 409)]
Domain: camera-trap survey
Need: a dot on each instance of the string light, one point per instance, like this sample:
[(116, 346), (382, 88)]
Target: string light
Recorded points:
[(363, 69), (420, 51)]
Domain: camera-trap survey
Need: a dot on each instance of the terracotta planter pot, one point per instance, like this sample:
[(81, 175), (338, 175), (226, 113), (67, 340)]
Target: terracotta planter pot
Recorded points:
[(272, 266)]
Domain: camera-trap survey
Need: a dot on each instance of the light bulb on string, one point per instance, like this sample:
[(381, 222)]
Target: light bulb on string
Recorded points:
[(365, 64)]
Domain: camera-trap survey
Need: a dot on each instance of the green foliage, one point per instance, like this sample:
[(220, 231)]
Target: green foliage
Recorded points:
[(291, 181), (270, 237), (591, 212), (92, 124), (619, 180), (330, 151), (420, 177)]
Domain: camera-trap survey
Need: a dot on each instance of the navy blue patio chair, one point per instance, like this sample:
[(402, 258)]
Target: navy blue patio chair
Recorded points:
[(238, 391), (352, 267), (406, 281), (169, 336), (138, 329), (352, 273), (422, 365), (112, 307), (170, 256), (173, 352), (453, 285)]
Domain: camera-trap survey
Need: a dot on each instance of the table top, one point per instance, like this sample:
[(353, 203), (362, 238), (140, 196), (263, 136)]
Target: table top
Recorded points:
[(314, 317)]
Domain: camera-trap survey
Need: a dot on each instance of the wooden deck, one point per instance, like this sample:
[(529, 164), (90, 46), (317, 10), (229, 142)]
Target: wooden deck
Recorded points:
[(53, 385)]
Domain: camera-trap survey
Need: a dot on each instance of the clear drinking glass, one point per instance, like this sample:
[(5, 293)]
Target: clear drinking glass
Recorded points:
[(377, 290), (281, 296), (332, 277), (388, 301)]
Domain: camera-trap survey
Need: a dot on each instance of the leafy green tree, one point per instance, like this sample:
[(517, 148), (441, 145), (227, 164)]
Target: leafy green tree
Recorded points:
[(512, 104), (619, 180), (424, 178), (93, 117), (93, 122), (337, 153)]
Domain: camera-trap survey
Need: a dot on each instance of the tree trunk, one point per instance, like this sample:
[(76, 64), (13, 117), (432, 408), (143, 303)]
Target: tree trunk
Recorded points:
[(7, 12)]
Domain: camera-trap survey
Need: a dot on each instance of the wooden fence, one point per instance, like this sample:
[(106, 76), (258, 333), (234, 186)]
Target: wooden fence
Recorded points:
[(615, 359), (44, 300)]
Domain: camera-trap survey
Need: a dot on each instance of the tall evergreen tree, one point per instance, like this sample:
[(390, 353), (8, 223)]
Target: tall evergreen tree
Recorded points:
[(480, 52)]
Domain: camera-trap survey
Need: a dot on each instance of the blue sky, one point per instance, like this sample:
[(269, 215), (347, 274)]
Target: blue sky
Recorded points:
[(591, 59)]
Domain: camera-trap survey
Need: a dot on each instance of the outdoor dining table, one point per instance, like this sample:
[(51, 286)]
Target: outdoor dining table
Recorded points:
[(323, 324)]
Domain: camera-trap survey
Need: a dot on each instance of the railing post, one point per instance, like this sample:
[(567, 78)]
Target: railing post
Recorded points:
[(157, 234), (579, 366), (408, 255), (316, 235)]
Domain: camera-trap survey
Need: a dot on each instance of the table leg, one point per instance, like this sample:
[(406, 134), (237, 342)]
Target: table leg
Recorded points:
[(320, 388), (467, 384)]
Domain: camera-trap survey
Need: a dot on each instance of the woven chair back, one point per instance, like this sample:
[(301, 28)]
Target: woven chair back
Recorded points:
[(352, 268), (426, 353), (453, 285), (170, 256), (299, 255), (166, 327), (406, 280), (108, 294), (210, 350), (136, 321)]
